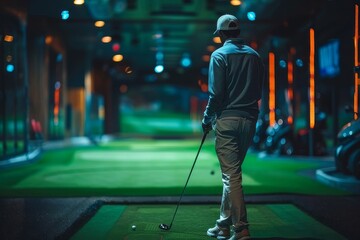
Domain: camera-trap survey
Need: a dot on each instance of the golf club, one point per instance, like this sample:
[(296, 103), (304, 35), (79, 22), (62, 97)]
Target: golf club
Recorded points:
[(166, 227)]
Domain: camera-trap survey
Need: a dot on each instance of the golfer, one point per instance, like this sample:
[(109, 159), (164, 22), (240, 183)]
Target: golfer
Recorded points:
[(236, 74)]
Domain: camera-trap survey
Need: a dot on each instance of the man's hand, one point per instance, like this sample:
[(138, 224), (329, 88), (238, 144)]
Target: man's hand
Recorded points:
[(206, 127)]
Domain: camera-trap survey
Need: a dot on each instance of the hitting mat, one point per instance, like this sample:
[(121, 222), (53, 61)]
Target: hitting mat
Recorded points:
[(135, 222)]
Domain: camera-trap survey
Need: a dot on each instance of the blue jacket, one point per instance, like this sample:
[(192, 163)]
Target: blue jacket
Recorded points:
[(236, 75)]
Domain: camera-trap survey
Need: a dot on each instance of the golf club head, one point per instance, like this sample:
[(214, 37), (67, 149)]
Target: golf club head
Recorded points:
[(164, 227)]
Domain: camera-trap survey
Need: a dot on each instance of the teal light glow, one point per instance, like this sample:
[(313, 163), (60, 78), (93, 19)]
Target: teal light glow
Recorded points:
[(65, 15), (282, 63), (186, 61), (10, 68), (159, 69), (251, 16), (299, 63)]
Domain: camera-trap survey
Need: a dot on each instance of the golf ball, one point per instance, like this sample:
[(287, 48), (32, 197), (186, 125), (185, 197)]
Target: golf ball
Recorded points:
[(133, 227)]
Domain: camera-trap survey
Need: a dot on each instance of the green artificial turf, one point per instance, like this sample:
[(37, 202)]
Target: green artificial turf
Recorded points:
[(151, 168), (269, 221), (98, 226), (159, 123)]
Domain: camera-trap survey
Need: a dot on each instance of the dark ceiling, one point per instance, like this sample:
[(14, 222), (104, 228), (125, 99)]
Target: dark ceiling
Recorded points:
[(172, 27)]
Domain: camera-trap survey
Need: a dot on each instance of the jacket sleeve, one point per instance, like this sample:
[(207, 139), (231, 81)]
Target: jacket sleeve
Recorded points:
[(217, 87)]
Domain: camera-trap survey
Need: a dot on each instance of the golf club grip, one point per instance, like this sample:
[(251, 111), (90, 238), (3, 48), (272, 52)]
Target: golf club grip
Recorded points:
[(187, 180)]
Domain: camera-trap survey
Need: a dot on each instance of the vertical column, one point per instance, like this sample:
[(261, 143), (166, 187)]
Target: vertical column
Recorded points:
[(290, 91), (272, 117), (311, 90), (356, 62)]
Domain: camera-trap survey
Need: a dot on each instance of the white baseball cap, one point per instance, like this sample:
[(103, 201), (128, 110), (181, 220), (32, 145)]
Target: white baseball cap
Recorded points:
[(227, 22)]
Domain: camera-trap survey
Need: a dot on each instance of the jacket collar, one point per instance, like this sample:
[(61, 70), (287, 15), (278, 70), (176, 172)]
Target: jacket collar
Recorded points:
[(234, 41)]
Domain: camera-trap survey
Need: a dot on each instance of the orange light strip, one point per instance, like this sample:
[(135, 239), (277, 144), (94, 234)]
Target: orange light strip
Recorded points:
[(272, 119), (312, 79), (290, 90), (356, 61), (56, 105)]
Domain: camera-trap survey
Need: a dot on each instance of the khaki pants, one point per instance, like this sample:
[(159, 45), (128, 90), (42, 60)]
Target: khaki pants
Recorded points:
[(233, 138)]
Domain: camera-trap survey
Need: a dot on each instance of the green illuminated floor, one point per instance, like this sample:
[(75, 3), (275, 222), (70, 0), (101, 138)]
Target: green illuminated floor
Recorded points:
[(270, 221), (149, 167)]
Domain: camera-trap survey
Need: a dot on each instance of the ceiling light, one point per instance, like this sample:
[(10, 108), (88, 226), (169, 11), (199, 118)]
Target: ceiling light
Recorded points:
[(106, 39), (79, 2), (299, 63), (159, 69), (59, 57), (157, 36), (206, 58), (210, 48), (159, 56), (235, 2), (251, 16), (48, 39), (118, 58), (116, 47), (8, 38), (99, 24), (65, 15), (128, 70), (10, 68), (217, 40), (282, 63), (123, 88), (186, 61)]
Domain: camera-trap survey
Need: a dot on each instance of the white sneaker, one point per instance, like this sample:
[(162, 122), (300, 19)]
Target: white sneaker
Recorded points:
[(219, 232)]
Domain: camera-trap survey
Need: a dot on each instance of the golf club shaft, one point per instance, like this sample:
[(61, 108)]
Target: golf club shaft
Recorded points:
[(187, 180)]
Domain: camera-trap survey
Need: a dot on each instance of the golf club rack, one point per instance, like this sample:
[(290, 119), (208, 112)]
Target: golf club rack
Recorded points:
[(347, 155), (279, 138), (282, 139)]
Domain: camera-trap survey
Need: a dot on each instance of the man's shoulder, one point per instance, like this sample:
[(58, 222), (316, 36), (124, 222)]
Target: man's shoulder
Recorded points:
[(230, 49), (218, 53), (249, 50)]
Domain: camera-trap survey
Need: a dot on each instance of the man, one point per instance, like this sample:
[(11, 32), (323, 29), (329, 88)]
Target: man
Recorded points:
[(236, 74)]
